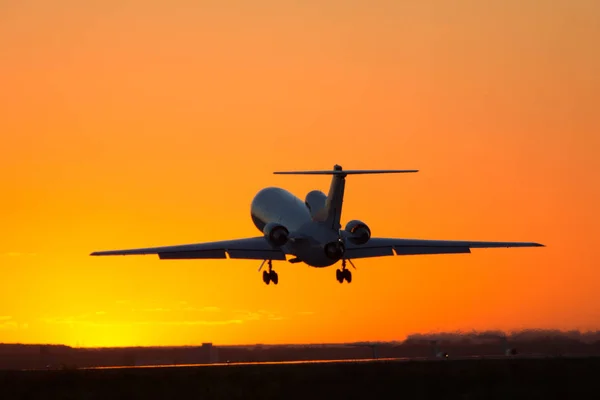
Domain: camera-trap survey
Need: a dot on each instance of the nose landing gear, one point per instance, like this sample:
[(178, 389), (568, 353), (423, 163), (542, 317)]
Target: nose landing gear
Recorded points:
[(270, 275), (344, 274)]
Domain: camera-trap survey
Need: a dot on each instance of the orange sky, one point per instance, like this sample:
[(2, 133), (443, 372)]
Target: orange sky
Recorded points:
[(132, 123)]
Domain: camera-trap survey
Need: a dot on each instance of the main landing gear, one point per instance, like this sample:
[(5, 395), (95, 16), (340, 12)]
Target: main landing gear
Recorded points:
[(269, 275), (344, 274)]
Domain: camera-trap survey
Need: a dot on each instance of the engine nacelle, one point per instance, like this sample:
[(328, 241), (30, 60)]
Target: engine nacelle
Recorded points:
[(359, 232), (276, 234), (315, 201), (335, 250)]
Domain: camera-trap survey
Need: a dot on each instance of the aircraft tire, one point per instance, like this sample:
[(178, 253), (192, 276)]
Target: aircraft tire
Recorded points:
[(339, 276), (266, 277), (274, 277), (348, 275)]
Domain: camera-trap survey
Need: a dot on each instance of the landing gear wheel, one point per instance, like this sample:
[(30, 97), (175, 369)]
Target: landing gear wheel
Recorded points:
[(339, 275), (343, 274), (267, 277), (274, 277), (347, 275)]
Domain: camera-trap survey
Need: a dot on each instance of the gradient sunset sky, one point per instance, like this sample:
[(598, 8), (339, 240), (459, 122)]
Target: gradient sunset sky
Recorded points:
[(142, 123)]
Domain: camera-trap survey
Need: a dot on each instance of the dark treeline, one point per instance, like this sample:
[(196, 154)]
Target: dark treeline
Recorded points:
[(530, 342)]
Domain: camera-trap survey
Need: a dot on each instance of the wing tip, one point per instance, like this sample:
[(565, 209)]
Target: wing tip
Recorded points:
[(105, 253), (527, 244), (102, 253)]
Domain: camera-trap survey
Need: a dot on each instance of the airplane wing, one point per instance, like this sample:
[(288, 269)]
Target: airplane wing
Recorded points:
[(256, 248), (379, 247)]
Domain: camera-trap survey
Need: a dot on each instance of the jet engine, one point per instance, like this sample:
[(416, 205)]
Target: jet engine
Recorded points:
[(276, 234), (315, 201), (359, 232), (335, 250)]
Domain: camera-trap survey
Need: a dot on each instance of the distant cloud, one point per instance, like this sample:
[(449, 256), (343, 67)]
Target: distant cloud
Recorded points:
[(203, 309), (249, 316), (158, 309), (7, 323), (260, 314), (17, 254), (182, 306), (159, 316), (177, 306), (201, 322), (87, 322), (91, 319)]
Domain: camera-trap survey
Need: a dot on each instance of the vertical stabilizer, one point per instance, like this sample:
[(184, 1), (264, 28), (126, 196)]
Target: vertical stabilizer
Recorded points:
[(335, 199), (333, 206)]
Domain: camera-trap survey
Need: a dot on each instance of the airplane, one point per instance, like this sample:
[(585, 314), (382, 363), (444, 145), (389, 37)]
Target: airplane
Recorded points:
[(310, 232)]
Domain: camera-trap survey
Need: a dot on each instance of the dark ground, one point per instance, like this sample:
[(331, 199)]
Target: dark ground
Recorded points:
[(508, 378)]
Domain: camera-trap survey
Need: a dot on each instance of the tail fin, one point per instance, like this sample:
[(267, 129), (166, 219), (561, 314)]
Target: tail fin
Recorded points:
[(335, 198)]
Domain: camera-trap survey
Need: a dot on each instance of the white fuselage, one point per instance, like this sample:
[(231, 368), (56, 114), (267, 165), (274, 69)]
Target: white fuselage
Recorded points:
[(308, 236)]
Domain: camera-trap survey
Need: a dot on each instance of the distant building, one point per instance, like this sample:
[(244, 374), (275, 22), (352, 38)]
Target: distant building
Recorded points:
[(205, 354), (210, 353)]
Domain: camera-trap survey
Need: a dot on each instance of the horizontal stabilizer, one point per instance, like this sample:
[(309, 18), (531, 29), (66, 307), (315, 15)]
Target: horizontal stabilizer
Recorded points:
[(348, 172)]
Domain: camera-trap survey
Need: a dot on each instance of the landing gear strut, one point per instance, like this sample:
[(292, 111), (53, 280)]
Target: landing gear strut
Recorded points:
[(344, 274), (270, 275)]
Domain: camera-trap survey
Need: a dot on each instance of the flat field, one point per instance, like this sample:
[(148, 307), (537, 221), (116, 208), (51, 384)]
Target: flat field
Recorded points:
[(502, 378)]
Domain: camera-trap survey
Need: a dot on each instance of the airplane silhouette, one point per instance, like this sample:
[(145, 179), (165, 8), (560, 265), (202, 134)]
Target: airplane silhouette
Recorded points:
[(310, 231)]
